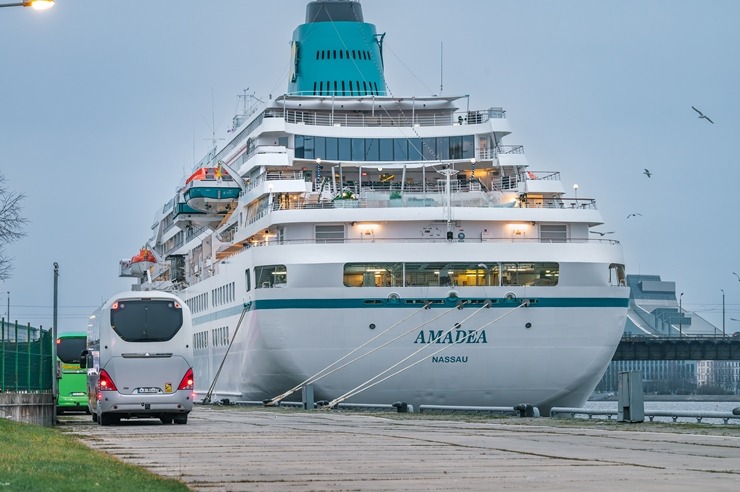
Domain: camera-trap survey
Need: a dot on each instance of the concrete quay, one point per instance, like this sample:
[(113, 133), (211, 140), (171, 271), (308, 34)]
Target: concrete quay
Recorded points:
[(248, 449)]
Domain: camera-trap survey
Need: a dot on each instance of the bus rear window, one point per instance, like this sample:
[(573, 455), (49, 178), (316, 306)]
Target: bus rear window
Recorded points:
[(70, 349), (147, 320)]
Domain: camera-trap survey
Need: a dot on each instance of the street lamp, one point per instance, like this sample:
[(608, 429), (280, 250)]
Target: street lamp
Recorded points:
[(34, 4), (680, 319)]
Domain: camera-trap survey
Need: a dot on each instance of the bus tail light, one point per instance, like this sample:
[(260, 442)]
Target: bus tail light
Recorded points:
[(105, 383), (187, 382)]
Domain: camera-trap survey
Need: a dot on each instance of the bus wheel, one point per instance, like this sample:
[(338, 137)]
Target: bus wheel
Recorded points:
[(95, 417), (181, 419), (167, 419)]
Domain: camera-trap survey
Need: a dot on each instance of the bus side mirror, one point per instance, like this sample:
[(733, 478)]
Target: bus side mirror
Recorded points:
[(83, 359)]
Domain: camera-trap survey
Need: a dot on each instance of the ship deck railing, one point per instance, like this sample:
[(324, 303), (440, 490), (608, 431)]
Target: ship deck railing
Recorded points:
[(432, 240), (429, 199), (391, 118)]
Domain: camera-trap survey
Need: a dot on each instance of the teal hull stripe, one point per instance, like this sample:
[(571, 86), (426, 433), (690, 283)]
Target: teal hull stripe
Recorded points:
[(550, 302)]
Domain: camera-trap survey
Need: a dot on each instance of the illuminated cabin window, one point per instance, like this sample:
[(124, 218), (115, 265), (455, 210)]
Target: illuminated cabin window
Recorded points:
[(473, 274), (373, 275), (524, 273), (269, 276)]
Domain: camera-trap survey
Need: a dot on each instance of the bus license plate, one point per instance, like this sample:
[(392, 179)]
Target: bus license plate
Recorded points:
[(149, 390)]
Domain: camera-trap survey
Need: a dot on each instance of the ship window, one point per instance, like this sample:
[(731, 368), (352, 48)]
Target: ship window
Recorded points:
[(347, 52), (350, 88), (386, 149), (468, 146), (553, 233), (247, 280), (344, 92), (531, 274), (429, 148), (364, 86), (321, 87), (443, 148), (373, 275), (414, 149), (317, 54), (298, 141), (331, 148), (376, 88), (341, 54), (314, 88), (345, 153), (400, 149), (358, 149), (269, 276), (456, 148), (308, 146), (330, 233), (372, 149), (322, 54), (334, 54), (335, 87)]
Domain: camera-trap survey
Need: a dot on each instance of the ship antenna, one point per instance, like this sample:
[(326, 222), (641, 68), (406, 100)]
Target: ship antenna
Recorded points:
[(441, 65)]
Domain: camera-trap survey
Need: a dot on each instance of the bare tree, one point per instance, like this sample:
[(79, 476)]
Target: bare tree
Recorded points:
[(11, 224)]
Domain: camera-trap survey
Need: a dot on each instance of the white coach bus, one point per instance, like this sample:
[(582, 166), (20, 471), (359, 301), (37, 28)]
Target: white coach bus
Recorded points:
[(139, 359)]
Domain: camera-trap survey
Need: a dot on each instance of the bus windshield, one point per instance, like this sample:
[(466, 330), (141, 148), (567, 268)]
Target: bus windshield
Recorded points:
[(146, 320), (69, 349)]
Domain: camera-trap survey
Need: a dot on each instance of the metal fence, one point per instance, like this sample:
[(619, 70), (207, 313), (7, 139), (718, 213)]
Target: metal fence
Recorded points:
[(25, 358)]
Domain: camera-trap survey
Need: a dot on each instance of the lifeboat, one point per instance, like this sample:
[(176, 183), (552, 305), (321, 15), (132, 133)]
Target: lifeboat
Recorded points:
[(210, 190), (139, 264)]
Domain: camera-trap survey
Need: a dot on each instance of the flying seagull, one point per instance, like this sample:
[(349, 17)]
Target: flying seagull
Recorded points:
[(601, 233), (738, 276), (647, 173), (634, 215), (702, 115)]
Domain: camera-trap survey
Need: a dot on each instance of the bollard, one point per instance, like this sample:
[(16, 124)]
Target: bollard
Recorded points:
[(401, 407)]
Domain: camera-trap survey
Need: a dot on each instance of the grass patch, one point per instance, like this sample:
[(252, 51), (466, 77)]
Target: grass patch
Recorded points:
[(43, 458)]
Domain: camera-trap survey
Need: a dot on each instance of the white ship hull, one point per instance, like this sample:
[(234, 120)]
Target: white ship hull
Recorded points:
[(289, 335)]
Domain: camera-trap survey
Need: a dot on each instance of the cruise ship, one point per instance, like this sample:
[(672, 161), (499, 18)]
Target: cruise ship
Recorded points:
[(383, 249)]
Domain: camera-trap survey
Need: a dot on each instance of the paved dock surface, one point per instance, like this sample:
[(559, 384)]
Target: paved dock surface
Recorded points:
[(242, 449)]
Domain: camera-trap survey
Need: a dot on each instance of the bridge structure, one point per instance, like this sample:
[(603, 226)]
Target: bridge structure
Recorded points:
[(695, 347)]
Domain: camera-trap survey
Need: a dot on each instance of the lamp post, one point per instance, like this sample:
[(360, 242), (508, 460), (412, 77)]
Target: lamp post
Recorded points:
[(8, 306), (34, 4), (54, 345), (680, 319)]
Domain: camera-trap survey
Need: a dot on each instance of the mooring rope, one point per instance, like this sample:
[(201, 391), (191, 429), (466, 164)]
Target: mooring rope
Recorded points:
[(207, 398), (369, 383), (323, 372)]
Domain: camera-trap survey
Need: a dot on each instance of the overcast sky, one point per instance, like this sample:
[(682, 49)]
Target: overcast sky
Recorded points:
[(104, 104)]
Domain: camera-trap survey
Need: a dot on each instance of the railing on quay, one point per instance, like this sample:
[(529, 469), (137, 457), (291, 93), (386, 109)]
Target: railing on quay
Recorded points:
[(26, 363), (650, 414)]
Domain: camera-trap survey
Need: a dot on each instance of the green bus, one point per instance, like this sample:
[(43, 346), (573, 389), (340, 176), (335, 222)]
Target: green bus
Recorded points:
[(72, 392)]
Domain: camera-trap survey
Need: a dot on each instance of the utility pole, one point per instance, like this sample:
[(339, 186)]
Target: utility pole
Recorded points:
[(54, 388), (723, 312)]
